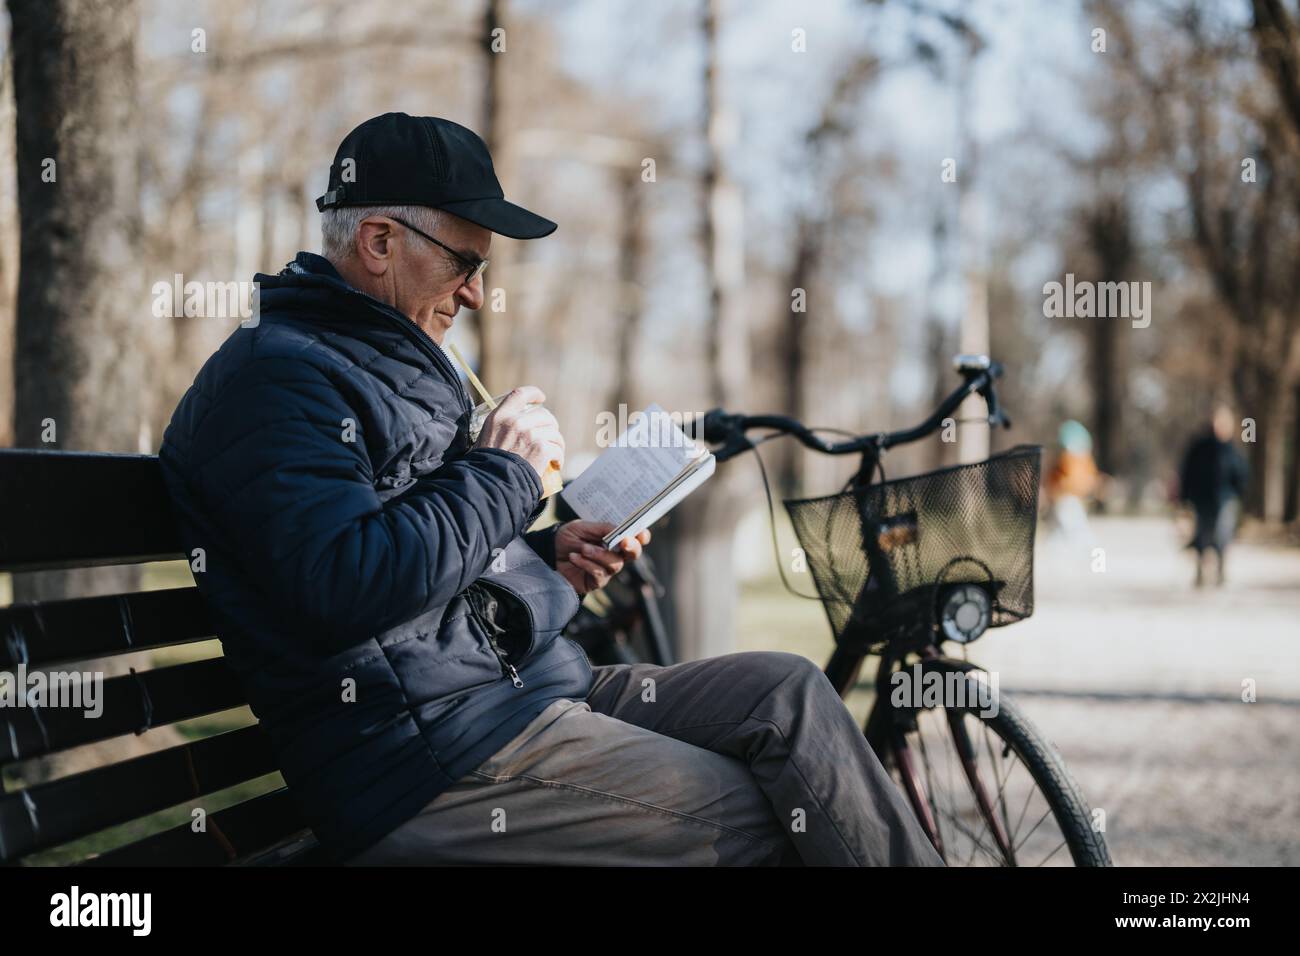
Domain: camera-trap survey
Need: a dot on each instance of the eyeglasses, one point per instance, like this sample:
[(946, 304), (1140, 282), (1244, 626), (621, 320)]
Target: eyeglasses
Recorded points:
[(474, 266)]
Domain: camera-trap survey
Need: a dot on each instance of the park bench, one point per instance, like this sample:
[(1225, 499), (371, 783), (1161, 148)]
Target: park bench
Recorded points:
[(78, 510)]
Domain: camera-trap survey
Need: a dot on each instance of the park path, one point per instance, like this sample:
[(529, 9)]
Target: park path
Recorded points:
[(1137, 678)]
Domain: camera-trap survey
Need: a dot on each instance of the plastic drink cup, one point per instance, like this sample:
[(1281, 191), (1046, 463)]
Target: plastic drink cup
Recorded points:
[(552, 483)]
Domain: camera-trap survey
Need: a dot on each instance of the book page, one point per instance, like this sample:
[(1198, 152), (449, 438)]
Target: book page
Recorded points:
[(644, 460), (664, 506)]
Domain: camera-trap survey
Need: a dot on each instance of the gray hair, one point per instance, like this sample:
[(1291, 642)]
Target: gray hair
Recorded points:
[(338, 226)]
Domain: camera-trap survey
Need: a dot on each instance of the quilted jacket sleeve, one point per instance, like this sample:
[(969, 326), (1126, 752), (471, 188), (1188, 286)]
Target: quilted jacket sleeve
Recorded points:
[(297, 502)]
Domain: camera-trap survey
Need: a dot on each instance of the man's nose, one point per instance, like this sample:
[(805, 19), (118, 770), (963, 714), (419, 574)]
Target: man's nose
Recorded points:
[(471, 294)]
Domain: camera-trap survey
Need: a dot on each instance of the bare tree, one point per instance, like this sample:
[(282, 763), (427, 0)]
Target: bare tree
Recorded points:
[(1210, 120), (81, 305), (696, 542), (1108, 228), (493, 131), (1277, 35), (80, 300), (813, 224)]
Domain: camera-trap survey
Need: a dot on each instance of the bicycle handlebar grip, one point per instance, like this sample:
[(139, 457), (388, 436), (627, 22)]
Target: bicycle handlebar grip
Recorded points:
[(717, 426), (714, 427)]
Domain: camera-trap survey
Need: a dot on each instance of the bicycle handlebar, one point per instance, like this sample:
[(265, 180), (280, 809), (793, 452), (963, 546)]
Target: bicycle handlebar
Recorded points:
[(728, 430)]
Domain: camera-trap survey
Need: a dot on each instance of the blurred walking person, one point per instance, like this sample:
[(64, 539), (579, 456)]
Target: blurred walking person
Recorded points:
[(1073, 481), (1212, 481)]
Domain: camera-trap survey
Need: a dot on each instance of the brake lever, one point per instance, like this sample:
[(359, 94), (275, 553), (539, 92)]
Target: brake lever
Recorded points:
[(719, 426), (996, 415), (736, 443)]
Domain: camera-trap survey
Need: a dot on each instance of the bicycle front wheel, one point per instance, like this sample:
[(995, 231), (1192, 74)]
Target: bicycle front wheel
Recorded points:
[(987, 786)]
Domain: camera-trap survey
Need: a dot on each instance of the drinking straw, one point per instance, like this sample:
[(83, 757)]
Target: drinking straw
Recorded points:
[(473, 379), (553, 469)]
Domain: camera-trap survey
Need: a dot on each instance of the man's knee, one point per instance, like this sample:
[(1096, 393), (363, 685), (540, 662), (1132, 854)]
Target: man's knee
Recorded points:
[(782, 667), (788, 681)]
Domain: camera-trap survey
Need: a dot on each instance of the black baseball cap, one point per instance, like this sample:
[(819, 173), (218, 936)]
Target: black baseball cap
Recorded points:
[(426, 161)]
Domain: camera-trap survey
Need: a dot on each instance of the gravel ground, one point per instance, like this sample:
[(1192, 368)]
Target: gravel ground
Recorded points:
[(1138, 679)]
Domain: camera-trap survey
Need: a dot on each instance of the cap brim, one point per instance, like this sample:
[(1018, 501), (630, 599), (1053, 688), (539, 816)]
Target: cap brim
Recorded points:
[(501, 217)]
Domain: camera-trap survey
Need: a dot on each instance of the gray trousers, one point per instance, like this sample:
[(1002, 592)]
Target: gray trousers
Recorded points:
[(743, 759)]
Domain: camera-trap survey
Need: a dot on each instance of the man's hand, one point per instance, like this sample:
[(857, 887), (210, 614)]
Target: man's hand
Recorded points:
[(583, 559), (533, 434)]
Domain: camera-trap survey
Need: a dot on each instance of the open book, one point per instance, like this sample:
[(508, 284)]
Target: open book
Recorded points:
[(641, 477)]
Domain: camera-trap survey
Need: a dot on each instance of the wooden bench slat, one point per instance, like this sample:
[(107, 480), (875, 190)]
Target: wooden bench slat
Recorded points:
[(53, 813), (78, 510), (81, 509), (231, 835), (53, 632), (130, 703)]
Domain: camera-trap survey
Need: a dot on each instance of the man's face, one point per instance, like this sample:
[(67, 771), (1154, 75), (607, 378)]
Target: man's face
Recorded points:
[(426, 282)]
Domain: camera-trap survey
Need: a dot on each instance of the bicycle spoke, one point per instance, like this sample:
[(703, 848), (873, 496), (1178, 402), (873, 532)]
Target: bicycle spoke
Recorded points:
[(967, 832), (951, 758), (976, 838), (930, 789), (1052, 854), (985, 825), (1046, 814), (993, 759), (955, 805), (1020, 819)]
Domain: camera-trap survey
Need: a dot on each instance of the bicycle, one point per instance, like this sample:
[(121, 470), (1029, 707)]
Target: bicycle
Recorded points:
[(903, 567)]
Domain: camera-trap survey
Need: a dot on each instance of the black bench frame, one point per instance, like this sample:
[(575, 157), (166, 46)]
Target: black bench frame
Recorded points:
[(78, 510)]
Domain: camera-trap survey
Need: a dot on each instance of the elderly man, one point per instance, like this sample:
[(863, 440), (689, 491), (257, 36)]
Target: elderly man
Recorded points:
[(398, 631)]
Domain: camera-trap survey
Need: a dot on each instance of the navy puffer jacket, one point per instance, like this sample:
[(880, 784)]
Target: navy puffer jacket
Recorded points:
[(354, 546)]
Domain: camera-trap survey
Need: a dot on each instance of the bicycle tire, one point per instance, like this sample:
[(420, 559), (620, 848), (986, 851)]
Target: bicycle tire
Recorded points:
[(1046, 767)]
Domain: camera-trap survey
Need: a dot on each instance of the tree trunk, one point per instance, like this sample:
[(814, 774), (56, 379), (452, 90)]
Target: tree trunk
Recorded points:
[(81, 336), (1110, 235), (1106, 382), (696, 545), (81, 302), (792, 348), (491, 358), (631, 252)]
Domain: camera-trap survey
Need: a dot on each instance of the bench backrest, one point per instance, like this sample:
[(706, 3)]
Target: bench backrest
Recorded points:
[(77, 510)]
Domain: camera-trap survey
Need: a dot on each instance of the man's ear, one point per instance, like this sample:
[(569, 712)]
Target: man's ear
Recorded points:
[(375, 239)]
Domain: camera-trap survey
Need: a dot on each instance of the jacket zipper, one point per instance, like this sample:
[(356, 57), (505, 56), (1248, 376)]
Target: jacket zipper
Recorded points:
[(486, 616)]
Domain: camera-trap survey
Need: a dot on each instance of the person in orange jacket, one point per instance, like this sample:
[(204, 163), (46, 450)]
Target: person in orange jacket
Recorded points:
[(1073, 480)]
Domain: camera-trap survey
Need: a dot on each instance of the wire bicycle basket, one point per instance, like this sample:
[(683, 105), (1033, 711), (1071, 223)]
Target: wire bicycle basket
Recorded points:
[(950, 549)]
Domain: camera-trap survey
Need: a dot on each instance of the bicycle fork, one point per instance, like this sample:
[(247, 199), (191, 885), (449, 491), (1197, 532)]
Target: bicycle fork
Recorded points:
[(887, 736)]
